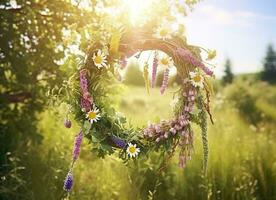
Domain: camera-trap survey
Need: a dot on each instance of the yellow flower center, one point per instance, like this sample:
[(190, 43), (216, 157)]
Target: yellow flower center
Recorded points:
[(197, 78), (163, 32), (132, 149), (98, 59), (92, 115), (164, 61)]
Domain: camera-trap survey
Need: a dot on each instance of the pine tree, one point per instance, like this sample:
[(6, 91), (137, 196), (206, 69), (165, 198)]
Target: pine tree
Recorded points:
[(269, 73), (228, 75)]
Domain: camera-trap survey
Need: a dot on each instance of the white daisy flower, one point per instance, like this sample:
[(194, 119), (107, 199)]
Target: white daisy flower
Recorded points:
[(99, 59), (163, 32), (132, 150), (93, 115), (197, 79), (165, 61)]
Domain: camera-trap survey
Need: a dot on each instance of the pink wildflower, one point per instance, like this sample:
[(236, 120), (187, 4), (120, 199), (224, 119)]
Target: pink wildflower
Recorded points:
[(189, 57)]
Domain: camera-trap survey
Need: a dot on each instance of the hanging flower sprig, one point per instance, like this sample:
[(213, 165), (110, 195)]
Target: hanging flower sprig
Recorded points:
[(154, 69), (77, 145), (68, 182), (86, 99), (165, 62), (146, 76)]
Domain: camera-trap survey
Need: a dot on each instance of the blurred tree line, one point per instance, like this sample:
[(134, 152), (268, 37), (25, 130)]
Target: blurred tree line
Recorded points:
[(267, 74)]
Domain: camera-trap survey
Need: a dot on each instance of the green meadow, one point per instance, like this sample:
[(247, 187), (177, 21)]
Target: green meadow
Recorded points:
[(242, 160)]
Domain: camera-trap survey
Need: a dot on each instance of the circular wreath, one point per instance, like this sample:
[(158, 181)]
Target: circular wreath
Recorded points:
[(107, 130)]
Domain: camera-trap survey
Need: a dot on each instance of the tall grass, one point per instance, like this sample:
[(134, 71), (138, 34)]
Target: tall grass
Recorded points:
[(242, 162)]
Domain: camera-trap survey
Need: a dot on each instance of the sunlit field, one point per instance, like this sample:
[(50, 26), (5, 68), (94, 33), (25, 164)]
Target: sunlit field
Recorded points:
[(242, 163)]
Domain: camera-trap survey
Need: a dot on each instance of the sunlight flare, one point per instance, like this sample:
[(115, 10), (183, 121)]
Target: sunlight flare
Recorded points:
[(137, 9)]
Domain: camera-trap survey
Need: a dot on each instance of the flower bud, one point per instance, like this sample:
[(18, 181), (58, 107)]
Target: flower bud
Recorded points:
[(67, 123)]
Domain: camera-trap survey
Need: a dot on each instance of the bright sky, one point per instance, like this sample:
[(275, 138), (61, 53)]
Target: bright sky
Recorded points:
[(240, 30)]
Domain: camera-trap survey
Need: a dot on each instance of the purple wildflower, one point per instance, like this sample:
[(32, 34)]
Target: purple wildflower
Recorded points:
[(85, 104), (165, 81), (154, 70), (68, 182), (67, 123), (191, 98), (83, 82), (189, 57), (158, 128), (86, 99), (118, 142), (77, 145), (207, 71), (173, 131), (187, 109)]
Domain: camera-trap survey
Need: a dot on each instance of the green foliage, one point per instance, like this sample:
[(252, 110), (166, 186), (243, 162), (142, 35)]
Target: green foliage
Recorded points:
[(245, 102), (269, 72), (228, 75), (31, 44), (204, 134), (134, 75)]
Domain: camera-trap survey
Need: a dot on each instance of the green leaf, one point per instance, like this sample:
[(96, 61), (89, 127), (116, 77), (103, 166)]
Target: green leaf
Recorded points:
[(106, 148), (95, 139), (86, 127)]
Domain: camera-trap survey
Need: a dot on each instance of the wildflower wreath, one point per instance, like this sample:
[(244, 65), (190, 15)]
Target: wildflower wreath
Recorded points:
[(93, 85)]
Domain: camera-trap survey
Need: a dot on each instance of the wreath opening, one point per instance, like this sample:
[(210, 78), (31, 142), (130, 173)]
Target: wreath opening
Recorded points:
[(96, 80)]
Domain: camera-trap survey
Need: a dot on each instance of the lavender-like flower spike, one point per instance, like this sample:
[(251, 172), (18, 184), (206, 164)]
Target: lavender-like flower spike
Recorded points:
[(165, 81), (77, 145), (118, 142), (85, 104), (68, 182), (83, 82), (154, 70), (189, 57)]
